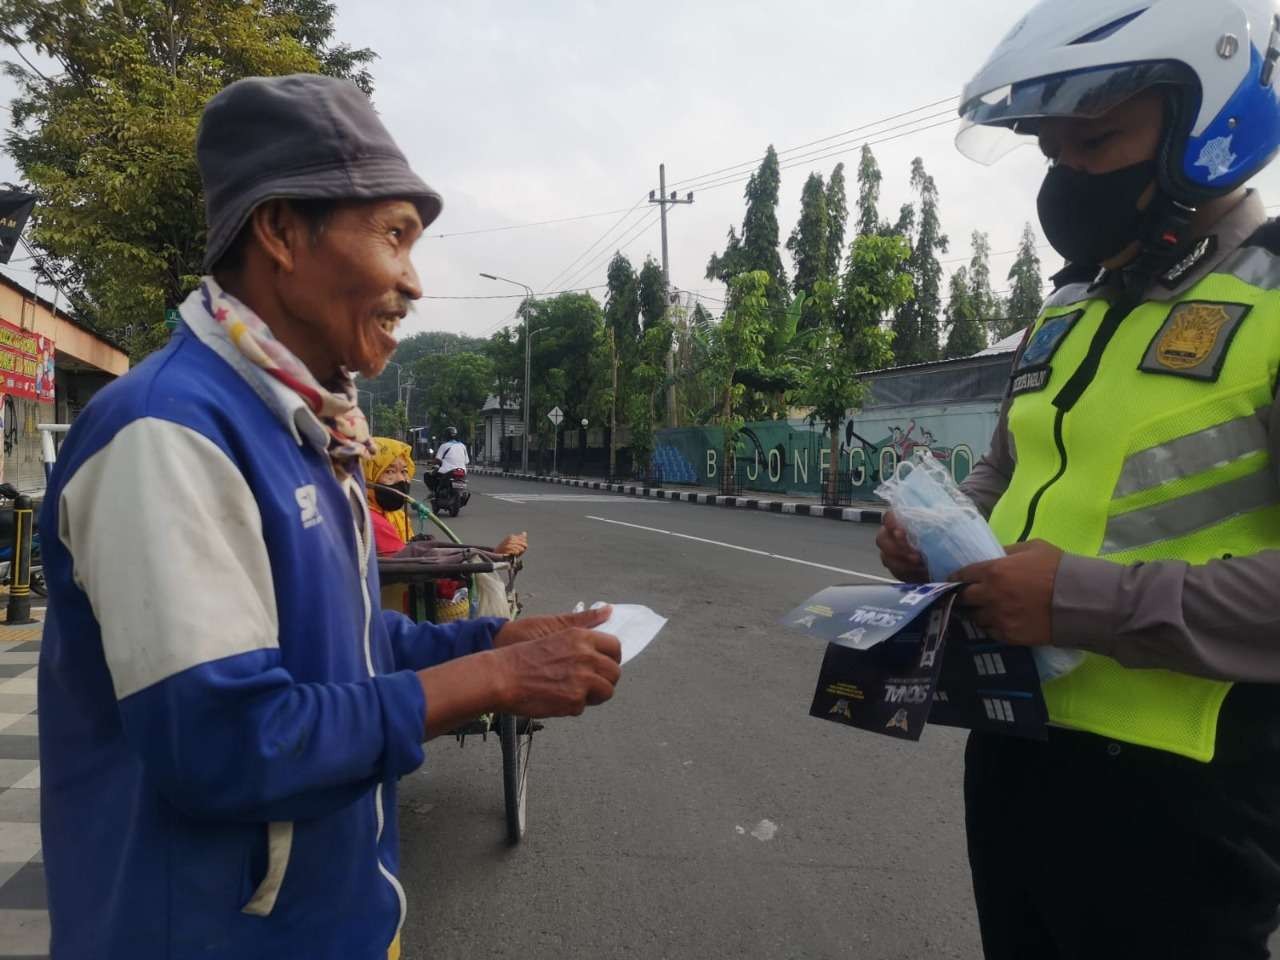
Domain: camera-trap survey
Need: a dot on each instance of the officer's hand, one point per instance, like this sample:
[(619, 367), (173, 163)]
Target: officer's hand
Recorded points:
[(558, 675), (1012, 598), (536, 628), (896, 553)]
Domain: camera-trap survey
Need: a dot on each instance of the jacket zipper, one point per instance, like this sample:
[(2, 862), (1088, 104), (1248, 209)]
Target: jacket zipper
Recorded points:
[(362, 545), (1074, 389)]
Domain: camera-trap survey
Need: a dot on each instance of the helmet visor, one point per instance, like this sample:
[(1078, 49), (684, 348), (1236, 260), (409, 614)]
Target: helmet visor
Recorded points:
[(1003, 119)]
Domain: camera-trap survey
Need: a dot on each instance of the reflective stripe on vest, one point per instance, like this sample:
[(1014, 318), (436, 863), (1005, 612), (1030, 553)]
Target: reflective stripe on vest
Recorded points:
[(1162, 456)]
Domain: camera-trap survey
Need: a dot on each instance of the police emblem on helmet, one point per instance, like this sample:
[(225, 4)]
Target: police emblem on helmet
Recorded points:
[(1191, 336)]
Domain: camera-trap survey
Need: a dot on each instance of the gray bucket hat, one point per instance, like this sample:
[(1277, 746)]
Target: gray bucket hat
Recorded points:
[(297, 137)]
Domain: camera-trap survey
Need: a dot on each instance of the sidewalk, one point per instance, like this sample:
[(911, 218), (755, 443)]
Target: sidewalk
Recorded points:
[(795, 504), (24, 921)]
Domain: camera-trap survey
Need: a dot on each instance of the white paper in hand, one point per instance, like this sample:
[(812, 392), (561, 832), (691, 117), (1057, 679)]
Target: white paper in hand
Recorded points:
[(634, 626)]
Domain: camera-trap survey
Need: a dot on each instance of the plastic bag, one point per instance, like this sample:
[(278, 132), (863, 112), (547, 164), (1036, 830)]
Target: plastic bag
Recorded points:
[(944, 525), (941, 522)]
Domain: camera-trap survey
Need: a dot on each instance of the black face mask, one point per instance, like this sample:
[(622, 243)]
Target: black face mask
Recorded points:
[(1089, 218), (389, 499)]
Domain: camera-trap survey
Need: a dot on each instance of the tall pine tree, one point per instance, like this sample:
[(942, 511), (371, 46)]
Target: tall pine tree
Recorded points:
[(869, 179), (1026, 292), (809, 242), (966, 334), (757, 248), (916, 323), (837, 220), (985, 304)]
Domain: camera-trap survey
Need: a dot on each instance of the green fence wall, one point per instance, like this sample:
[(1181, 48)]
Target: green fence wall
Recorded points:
[(793, 457)]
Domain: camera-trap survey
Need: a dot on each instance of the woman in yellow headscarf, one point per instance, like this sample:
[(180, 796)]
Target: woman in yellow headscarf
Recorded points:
[(391, 466)]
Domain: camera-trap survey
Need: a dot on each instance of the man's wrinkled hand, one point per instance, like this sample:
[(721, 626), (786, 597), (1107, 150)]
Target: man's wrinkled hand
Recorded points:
[(536, 628), (1012, 598), (559, 674), (513, 545), (896, 553)]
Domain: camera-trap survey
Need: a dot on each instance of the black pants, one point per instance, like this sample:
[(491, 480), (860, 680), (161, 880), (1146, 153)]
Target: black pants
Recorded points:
[(1083, 849)]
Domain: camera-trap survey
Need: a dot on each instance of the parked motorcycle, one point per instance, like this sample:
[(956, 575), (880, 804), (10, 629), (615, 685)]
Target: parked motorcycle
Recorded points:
[(38, 587)]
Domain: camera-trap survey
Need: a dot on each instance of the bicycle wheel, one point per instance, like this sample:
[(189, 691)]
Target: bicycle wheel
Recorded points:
[(516, 737)]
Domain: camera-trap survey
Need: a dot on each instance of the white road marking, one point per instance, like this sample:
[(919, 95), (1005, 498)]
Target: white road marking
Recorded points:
[(565, 498), (734, 546)]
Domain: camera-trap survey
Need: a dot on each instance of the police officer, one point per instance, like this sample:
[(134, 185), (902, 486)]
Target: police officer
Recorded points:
[(1135, 472)]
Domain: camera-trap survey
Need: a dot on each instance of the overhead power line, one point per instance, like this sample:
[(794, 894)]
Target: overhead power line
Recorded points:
[(696, 180), (835, 153), (523, 226), (643, 226), (587, 252), (757, 160), (513, 296)]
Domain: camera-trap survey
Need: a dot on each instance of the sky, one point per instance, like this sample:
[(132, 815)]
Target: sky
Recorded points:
[(526, 112)]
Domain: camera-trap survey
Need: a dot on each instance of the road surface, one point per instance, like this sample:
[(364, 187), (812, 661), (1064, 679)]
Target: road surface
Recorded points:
[(702, 813)]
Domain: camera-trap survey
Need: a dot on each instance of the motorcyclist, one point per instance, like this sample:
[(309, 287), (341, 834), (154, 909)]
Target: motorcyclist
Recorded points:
[(452, 454)]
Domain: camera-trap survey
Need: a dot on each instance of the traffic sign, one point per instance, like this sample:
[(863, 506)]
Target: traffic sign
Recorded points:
[(556, 415), (172, 318)]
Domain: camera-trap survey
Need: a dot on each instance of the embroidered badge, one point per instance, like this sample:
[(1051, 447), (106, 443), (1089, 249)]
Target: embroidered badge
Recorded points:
[(1217, 157), (1194, 340), (1045, 341)]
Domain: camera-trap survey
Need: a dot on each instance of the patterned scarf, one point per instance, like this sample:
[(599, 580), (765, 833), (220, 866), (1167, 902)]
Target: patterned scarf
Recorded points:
[(339, 412)]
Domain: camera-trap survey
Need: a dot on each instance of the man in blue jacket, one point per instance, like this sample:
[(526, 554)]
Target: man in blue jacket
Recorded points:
[(224, 710)]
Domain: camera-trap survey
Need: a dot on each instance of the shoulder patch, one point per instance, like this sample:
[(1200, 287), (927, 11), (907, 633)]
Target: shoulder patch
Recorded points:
[(1046, 339), (1194, 340)]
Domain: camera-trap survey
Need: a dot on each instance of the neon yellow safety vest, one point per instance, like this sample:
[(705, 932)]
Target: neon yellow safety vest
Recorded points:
[(1161, 456)]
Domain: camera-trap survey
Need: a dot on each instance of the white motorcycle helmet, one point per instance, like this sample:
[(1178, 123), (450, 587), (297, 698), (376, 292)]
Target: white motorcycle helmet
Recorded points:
[(1082, 58)]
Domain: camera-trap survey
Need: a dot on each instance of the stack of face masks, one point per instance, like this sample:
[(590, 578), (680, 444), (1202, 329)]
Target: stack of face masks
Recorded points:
[(944, 525), (941, 522)]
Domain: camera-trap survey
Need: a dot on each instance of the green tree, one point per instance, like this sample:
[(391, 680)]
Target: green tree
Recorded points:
[(570, 361), (108, 139), (757, 249), (387, 387), (850, 337), (647, 379), (389, 420), (1026, 294), (312, 23), (652, 293), (837, 222), (983, 300), (916, 321), (503, 351), (966, 333), (809, 241), (622, 322), (738, 343), (869, 180), (454, 388)]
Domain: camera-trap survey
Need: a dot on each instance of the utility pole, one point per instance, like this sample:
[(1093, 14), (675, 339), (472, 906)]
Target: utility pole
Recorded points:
[(665, 201)]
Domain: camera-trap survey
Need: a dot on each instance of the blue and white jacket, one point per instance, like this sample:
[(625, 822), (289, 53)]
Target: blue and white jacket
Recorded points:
[(224, 710)]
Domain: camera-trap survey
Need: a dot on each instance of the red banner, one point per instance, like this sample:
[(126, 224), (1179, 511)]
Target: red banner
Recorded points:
[(26, 363)]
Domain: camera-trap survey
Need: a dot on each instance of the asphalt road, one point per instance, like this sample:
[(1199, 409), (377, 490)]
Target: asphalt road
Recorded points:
[(701, 813)]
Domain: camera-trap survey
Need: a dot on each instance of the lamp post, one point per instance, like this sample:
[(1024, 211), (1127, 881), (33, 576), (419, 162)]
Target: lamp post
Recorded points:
[(528, 353)]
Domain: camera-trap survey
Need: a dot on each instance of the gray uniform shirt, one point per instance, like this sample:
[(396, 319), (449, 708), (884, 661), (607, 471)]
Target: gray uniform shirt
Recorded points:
[(1220, 620)]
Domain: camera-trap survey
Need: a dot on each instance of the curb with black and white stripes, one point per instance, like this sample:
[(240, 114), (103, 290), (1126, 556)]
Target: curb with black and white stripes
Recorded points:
[(845, 514)]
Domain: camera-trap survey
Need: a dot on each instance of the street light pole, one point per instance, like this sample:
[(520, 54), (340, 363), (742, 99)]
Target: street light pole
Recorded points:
[(528, 354)]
